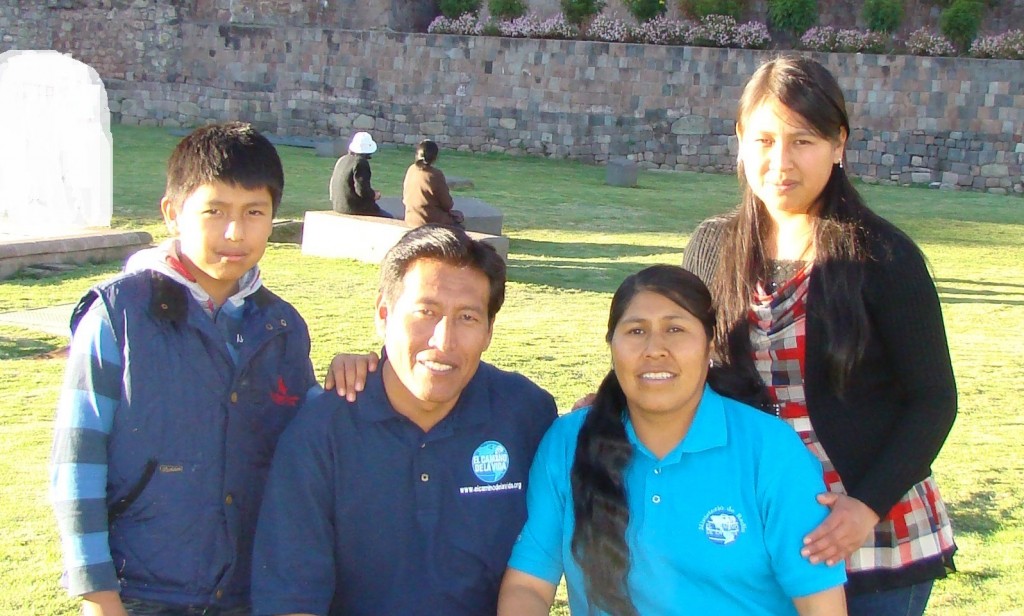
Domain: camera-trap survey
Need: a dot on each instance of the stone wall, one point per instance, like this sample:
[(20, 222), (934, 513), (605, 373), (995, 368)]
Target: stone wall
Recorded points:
[(917, 120)]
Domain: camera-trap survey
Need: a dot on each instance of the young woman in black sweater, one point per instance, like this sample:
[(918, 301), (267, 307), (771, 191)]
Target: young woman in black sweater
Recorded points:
[(834, 308)]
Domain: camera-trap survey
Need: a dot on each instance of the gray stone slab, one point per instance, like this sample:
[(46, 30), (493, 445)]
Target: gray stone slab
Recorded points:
[(17, 252), (54, 320), (332, 148), (480, 216), (457, 183), (621, 172), (364, 238), (286, 232)]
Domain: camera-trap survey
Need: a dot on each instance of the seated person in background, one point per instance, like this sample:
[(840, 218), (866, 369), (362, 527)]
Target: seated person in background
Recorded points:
[(666, 496), (408, 500), (425, 192), (350, 188)]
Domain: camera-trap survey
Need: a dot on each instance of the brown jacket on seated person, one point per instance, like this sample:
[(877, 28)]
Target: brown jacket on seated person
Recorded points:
[(425, 191)]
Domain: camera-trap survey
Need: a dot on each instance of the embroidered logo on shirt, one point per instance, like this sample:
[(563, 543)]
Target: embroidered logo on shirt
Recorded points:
[(281, 396), (722, 525), (490, 461)]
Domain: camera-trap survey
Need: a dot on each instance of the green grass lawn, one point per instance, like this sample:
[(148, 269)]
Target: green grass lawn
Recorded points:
[(573, 239)]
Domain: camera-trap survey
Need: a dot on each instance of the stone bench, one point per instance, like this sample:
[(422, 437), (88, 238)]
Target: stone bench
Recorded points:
[(365, 238), (481, 216), (86, 246)]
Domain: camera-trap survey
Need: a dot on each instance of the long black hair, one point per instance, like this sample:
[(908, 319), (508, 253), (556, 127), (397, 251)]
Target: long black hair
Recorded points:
[(810, 91), (603, 451)]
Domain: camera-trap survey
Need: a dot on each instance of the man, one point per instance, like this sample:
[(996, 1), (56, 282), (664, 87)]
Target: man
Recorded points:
[(350, 189), (408, 500)]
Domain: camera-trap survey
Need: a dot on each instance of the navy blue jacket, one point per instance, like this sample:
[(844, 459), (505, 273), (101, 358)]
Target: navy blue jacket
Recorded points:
[(192, 435)]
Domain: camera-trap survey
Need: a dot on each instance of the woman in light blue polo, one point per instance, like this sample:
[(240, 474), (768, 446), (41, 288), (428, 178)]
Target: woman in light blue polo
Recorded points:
[(665, 496)]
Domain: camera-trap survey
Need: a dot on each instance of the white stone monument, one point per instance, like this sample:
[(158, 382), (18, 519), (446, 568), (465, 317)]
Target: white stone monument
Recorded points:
[(56, 152)]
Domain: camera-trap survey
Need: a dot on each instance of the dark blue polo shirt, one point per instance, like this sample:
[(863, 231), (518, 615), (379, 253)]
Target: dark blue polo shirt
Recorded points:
[(364, 513)]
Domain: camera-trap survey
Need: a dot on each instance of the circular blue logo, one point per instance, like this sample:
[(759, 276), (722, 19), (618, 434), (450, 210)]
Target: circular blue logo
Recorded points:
[(490, 461), (723, 526)]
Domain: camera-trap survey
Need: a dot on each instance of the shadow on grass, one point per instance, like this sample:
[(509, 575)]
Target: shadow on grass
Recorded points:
[(18, 347), (600, 277), (570, 250), (961, 281), (983, 513), (974, 295)]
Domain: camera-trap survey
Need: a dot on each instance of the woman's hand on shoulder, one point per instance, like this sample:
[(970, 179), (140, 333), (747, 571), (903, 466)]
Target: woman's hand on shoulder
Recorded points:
[(347, 373), (847, 527)]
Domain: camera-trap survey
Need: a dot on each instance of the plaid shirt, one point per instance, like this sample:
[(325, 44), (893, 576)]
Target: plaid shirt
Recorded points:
[(917, 527)]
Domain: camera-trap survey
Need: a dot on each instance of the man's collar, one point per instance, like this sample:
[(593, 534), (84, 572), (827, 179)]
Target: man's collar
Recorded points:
[(472, 408)]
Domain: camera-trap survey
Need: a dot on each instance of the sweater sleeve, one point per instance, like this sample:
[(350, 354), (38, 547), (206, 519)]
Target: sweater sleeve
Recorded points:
[(701, 254), (78, 474), (904, 308)]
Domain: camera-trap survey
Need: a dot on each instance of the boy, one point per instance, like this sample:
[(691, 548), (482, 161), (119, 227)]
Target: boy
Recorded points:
[(182, 373)]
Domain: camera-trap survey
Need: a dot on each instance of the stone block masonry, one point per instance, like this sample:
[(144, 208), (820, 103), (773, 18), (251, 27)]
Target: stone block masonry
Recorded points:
[(953, 121)]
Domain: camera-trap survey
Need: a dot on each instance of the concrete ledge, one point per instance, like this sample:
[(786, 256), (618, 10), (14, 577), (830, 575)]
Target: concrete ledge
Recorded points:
[(481, 216), (365, 238), (93, 246)]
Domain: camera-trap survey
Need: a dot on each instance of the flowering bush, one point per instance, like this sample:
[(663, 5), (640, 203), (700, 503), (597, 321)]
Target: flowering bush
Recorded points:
[(466, 24), (557, 27), (714, 31), (527, 26), (608, 29), (752, 35), (661, 31), (921, 42), (819, 39), (849, 41), (1008, 45)]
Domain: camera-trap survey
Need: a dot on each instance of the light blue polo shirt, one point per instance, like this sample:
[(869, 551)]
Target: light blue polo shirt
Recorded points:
[(716, 526)]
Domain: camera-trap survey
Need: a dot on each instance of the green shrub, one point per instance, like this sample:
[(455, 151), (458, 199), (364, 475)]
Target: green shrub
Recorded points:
[(960, 22), (578, 11), (453, 9), (794, 16), (699, 9), (491, 28), (883, 15), (506, 9), (645, 10)]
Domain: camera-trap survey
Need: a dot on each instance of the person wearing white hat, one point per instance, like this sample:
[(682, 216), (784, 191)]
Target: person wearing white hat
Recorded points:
[(350, 188)]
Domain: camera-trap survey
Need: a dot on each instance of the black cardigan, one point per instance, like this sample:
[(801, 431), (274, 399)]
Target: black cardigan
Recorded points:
[(884, 432)]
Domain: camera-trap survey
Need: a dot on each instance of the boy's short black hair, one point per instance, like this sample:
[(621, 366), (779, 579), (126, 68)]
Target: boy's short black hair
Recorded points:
[(449, 245), (232, 152)]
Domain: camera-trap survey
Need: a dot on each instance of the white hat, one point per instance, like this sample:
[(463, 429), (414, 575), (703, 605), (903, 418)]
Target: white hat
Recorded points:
[(362, 143)]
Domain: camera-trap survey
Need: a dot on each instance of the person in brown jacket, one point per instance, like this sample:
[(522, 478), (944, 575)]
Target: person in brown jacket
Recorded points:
[(425, 192)]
